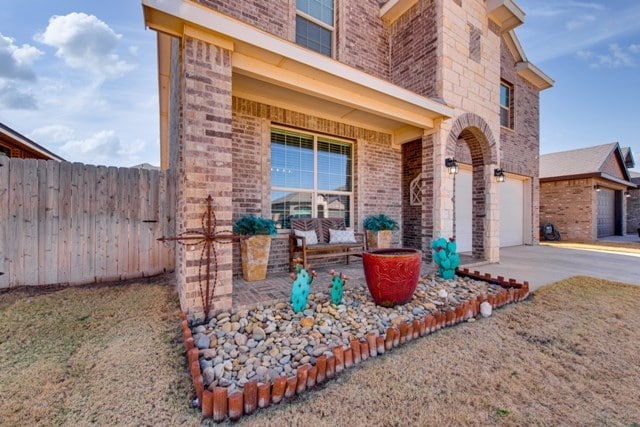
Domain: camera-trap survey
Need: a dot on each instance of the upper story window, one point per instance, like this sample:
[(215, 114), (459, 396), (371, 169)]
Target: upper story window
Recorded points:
[(506, 105), (311, 177), (4, 151), (314, 25)]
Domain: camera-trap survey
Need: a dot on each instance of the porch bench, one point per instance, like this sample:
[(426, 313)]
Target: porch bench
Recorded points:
[(300, 246)]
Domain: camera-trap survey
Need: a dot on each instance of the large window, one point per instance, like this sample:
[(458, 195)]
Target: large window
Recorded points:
[(506, 105), (311, 177), (314, 25)]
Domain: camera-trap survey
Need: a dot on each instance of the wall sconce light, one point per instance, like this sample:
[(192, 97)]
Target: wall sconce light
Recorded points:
[(452, 165), (499, 174), (597, 187), (627, 194)]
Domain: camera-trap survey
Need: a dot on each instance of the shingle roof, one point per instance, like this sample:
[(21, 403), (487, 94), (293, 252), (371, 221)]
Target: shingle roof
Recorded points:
[(575, 162)]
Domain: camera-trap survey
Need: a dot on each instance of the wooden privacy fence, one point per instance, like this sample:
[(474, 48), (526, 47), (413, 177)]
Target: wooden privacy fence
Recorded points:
[(71, 223)]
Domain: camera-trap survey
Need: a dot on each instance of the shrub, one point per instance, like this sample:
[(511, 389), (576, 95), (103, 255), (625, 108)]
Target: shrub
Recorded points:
[(252, 226), (379, 222)]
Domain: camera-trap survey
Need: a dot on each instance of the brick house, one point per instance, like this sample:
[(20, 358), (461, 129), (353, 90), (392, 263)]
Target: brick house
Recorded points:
[(14, 144), (345, 108), (633, 204), (585, 193)]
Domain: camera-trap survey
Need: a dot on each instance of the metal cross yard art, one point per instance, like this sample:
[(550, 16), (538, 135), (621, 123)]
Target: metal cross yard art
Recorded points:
[(206, 236)]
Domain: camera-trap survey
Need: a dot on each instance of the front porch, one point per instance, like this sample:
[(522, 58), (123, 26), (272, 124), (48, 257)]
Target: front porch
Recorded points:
[(277, 287)]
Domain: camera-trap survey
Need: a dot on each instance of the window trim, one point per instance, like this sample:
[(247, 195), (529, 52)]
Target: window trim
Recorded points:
[(315, 191), (330, 28), (509, 108)]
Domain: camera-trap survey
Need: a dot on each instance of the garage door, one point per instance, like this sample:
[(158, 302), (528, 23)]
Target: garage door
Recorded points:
[(464, 210), (606, 212), (511, 212)]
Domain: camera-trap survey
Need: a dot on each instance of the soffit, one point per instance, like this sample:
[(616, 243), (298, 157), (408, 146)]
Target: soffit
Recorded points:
[(393, 9), (505, 13), (265, 58)]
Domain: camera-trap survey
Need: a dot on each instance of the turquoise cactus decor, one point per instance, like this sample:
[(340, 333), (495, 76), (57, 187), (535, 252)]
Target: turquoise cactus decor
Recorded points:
[(445, 256), (337, 284), (302, 280)]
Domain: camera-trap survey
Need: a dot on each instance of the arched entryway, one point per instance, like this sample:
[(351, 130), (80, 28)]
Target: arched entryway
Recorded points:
[(471, 141)]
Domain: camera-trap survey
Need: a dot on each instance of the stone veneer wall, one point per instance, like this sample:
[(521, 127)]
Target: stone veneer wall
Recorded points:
[(377, 169), (570, 206)]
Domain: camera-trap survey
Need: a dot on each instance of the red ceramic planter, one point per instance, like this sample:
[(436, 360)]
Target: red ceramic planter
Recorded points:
[(392, 274)]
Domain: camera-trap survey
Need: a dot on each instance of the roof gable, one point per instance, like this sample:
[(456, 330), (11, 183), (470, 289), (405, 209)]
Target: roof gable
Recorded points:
[(605, 160)]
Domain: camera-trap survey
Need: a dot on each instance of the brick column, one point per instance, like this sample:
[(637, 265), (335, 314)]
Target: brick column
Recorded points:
[(204, 166)]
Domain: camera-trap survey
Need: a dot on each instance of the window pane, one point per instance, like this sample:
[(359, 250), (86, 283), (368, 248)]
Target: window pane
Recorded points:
[(334, 206), (322, 10), (287, 205), (291, 160), (334, 165), (504, 95), (313, 36), (504, 117)]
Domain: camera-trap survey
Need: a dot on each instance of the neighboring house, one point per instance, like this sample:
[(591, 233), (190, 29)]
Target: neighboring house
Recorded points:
[(585, 192), (350, 108), (13, 144), (633, 204)]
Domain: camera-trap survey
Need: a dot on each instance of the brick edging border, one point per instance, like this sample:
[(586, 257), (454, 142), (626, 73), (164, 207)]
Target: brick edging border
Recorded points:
[(218, 404)]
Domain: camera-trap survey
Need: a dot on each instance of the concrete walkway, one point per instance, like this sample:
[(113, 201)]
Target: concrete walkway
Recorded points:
[(543, 265)]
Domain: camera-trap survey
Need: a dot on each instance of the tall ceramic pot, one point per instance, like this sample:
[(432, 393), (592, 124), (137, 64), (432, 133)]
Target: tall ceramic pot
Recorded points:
[(255, 257), (379, 239), (392, 274)]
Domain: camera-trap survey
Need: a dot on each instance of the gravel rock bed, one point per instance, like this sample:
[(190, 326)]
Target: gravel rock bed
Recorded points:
[(269, 342)]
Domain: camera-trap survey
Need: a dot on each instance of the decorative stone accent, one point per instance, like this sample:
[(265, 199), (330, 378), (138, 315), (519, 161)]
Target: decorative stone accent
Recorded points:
[(219, 405)]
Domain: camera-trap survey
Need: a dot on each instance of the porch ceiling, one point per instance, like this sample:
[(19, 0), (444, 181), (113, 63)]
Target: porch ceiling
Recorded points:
[(269, 69)]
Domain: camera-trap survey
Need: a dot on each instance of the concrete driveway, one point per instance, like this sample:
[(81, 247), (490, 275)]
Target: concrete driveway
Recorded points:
[(543, 265)]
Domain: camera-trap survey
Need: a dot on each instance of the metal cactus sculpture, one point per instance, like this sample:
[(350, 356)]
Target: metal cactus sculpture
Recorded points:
[(337, 284), (302, 280), (445, 256)]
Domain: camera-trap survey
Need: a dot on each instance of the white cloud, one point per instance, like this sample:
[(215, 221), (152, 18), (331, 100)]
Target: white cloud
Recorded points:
[(615, 57), (12, 97), (16, 62), (85, 42), (53, 134), (579, 21), (561, 28), (103, 147)]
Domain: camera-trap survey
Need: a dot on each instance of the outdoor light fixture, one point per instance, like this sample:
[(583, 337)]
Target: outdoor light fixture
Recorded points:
[(627, 194), (597, 187), (499, 174), (452, 165)]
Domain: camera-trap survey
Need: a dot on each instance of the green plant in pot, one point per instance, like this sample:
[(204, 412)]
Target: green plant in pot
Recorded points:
[(379, 229), (255, 248)]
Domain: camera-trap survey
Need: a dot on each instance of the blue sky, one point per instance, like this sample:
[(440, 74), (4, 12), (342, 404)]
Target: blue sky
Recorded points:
[(79, 77)]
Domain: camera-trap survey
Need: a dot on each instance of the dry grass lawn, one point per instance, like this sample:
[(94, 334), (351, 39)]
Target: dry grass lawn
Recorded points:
[(110, 356)]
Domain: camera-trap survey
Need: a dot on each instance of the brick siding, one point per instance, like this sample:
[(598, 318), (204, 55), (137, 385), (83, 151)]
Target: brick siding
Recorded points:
[(205, 165), (274, 16), (633, 208), (570, 206), (377, 165), (414, 54), (411, 215)]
